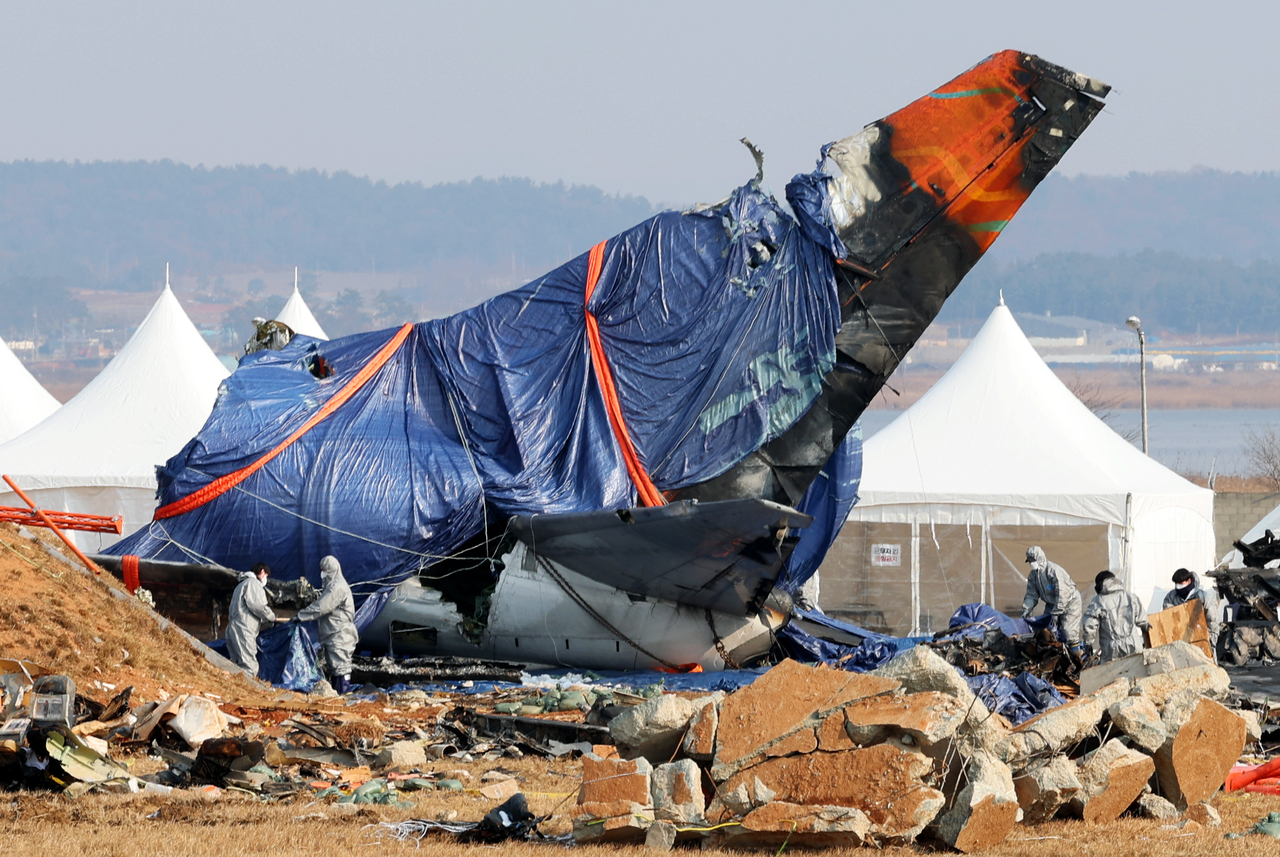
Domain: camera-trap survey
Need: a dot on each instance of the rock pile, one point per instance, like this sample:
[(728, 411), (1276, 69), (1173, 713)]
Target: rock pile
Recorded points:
[(816, 756)]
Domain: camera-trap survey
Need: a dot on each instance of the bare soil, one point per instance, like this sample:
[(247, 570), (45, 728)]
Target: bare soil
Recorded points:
[(59, 616)]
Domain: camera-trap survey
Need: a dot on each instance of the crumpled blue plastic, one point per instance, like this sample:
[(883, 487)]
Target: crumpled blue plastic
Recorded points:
[(1019, 698), (718, 325)]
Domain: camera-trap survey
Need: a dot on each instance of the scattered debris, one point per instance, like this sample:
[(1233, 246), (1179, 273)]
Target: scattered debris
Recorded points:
[(888, 757)]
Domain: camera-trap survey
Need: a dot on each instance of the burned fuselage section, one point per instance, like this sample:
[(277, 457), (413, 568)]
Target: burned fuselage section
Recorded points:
[(603, 467)]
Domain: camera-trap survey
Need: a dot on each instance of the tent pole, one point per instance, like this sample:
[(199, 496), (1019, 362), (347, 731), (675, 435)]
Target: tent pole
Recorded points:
[(1127, 541), (915, 578), (983, 565)]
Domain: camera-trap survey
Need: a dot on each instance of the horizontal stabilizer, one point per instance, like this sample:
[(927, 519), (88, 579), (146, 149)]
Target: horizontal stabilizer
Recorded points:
[(723, 556)]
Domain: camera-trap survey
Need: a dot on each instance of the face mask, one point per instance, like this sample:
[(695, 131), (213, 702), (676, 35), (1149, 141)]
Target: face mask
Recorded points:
[(1185, 589)]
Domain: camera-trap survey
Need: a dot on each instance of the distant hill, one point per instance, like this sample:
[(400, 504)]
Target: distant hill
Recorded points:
[(1202, 214), (102, 225), (1186, 251)]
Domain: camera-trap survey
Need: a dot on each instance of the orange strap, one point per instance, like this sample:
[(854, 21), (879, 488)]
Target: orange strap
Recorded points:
[(649, 494), (222, 484), (129, 567)]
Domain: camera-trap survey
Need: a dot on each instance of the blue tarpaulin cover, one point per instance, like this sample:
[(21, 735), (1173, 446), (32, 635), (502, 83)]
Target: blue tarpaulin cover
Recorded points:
[(875, 651), (286, 656), (828, 500), (1018, 698), (974, 620), (718, 325)]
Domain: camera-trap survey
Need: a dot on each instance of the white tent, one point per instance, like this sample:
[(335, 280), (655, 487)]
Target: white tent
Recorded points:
[(297, 314), (997, 456), (23, 402), (98, 452)]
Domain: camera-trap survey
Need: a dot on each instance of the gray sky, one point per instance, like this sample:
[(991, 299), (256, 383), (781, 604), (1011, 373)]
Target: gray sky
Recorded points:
[(647, 98)]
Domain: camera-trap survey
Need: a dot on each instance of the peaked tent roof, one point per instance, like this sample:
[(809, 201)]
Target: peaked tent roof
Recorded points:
[(23, 402), (298, 316), (1000, 429), (138, 412)]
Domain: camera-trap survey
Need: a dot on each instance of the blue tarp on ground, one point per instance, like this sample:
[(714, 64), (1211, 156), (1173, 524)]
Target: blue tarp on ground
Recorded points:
[(974, 620), (1019, 698), (718, 326), (875, 651)]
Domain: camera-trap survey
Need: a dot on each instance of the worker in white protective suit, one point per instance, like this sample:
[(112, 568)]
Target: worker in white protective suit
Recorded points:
[(1186, 585), (1050, 583), (1114, 620), (334, 613), (249, 610)]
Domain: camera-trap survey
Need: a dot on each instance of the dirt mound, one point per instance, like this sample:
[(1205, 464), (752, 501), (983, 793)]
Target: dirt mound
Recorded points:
[(61, 617)]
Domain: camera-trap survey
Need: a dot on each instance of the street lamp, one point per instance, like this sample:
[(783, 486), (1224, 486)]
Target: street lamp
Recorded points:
[(1135, 324)]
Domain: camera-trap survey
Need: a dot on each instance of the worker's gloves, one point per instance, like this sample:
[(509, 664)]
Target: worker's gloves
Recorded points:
[(1026, 614)]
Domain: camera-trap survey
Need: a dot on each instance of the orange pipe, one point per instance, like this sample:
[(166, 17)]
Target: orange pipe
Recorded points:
[(51, 525), (1237, 780)]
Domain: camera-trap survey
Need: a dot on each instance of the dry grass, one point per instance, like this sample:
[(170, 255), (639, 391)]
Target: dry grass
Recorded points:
[(107, 826)]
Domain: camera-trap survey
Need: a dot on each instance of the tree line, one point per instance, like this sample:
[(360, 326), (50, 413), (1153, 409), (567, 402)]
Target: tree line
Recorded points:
[(1167, 290)]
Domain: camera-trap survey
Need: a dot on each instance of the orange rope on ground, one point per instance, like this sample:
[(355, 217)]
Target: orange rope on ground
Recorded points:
[(223, 484), (649, 494), (129, 567)]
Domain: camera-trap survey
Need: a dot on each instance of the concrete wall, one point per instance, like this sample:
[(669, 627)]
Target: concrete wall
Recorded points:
[(1235, 513)]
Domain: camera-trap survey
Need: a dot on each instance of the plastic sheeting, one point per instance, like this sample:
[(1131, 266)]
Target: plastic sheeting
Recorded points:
[(718, 325), (974, 620), (286, 656), (287, 652), (875, 651), (828, 501), (1019, 698)]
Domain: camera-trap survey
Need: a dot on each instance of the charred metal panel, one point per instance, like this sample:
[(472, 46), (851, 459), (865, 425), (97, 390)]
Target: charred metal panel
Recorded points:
[(722, 556)]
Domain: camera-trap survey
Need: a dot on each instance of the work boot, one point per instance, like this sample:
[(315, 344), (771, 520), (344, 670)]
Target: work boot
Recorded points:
[(342, 684)]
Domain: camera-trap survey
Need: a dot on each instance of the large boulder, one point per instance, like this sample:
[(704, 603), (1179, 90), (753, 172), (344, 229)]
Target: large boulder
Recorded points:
[(889, 783), (1111, 778), (779, 713), (1138, 718), (653, 729), (677, 793), (982, 812), (1194, 761), (1044, 787)]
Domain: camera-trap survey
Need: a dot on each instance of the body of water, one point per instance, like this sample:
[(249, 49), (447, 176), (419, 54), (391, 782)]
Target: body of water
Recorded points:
[(1188, 441)]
